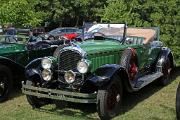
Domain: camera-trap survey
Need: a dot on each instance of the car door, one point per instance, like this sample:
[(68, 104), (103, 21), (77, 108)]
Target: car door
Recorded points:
[(143, 56)]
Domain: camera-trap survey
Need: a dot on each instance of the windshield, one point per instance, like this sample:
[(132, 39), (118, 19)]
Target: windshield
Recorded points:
[(58, 31), (114, 31), (55, 31)]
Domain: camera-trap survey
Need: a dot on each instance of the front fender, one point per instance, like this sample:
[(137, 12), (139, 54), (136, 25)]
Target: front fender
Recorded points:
[(32, 70), (103, 75), (33, 64)]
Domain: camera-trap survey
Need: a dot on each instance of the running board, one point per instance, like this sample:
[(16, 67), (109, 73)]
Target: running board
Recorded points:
[(145, 80)]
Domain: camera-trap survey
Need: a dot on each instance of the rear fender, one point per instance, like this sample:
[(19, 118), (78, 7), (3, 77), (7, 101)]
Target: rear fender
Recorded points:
[(164, 54)]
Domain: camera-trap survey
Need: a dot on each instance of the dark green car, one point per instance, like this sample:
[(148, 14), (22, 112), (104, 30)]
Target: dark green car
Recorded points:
[(99, 69), (15, 54)]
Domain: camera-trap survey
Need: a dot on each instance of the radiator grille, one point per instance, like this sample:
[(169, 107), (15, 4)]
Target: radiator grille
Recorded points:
[(68, 60)]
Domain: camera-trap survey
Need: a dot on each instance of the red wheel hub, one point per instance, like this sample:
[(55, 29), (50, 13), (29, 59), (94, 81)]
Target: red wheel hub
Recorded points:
[(133, 70)]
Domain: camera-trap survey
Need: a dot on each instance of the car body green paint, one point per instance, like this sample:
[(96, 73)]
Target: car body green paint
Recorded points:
[(99, 52), (20, 54)]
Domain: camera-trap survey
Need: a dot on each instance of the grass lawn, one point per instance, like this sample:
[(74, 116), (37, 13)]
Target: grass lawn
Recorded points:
[(151, 103)]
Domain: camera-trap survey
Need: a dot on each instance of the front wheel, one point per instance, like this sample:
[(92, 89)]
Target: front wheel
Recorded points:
[(34, 101), (109, 99), (5, 82), (178, 103)]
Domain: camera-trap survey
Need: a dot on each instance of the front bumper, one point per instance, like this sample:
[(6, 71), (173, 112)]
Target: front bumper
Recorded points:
[(59, 94)]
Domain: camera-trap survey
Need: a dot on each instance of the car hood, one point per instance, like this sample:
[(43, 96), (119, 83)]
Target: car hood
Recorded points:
[(96, 46), (11, 48)]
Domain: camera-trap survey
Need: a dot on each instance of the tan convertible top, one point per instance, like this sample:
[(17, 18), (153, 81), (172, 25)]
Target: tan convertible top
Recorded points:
[(148, 34)]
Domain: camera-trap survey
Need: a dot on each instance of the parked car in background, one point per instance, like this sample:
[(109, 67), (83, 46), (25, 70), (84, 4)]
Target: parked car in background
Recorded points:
[(35, 31), (99, 69), (59, 32), (38, 31), (15, 54), (178, 103)]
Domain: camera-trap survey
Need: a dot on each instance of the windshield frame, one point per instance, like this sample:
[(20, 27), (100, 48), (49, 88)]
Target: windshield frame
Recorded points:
[(12, 39), (98, 27)]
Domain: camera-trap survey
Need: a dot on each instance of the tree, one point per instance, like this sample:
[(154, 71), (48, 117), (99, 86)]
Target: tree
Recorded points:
[(20, 13), (140, 13)]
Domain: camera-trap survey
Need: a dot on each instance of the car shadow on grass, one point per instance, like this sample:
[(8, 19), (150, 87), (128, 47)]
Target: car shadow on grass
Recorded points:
[(75, 110), (130, 100), (88, 111)]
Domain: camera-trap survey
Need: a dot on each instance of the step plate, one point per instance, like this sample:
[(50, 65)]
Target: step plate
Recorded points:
[(145, 80)]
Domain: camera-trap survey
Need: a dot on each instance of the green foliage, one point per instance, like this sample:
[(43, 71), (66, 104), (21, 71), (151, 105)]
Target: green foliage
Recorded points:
[(20, 13), (146, 13), (138, 13)]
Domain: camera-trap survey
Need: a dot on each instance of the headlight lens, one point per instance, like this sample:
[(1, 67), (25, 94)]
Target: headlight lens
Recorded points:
[(46, 36), (46, 63), (69, 76), (82, 66), (46, 74)]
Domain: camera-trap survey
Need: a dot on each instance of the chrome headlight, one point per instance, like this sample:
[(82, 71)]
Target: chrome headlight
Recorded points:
[(46, 63), (69, 76), (46, 74), (46, 36), (82, 66)]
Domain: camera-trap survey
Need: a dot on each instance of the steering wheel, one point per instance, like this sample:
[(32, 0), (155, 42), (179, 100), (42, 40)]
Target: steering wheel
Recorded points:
[(98, 34)]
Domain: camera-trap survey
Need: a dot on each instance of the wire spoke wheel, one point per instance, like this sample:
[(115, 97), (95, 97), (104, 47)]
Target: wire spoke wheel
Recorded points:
[(109, 99), (113, 97), (166, 70)]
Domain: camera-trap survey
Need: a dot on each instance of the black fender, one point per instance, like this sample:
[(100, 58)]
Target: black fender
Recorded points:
[(164, 54), (33, 74), (16, 68), (32, 71), (103, 75), (33, 64)]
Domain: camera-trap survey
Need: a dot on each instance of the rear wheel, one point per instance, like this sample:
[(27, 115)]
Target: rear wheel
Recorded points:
[(34, 101), (5, 82), (178, 103), (166, 70), (109, 99)]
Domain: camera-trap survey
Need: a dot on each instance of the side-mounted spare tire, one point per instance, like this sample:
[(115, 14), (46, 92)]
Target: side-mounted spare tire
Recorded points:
[(130, 63), (109, 99), (178, 103), (6, 82)]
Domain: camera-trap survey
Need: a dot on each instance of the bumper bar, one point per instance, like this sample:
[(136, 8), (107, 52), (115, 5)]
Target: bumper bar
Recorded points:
[(59, 94)]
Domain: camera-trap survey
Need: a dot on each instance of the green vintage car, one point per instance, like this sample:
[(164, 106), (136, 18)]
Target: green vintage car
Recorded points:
[(178, 103), (15, 54), (99, 69)]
